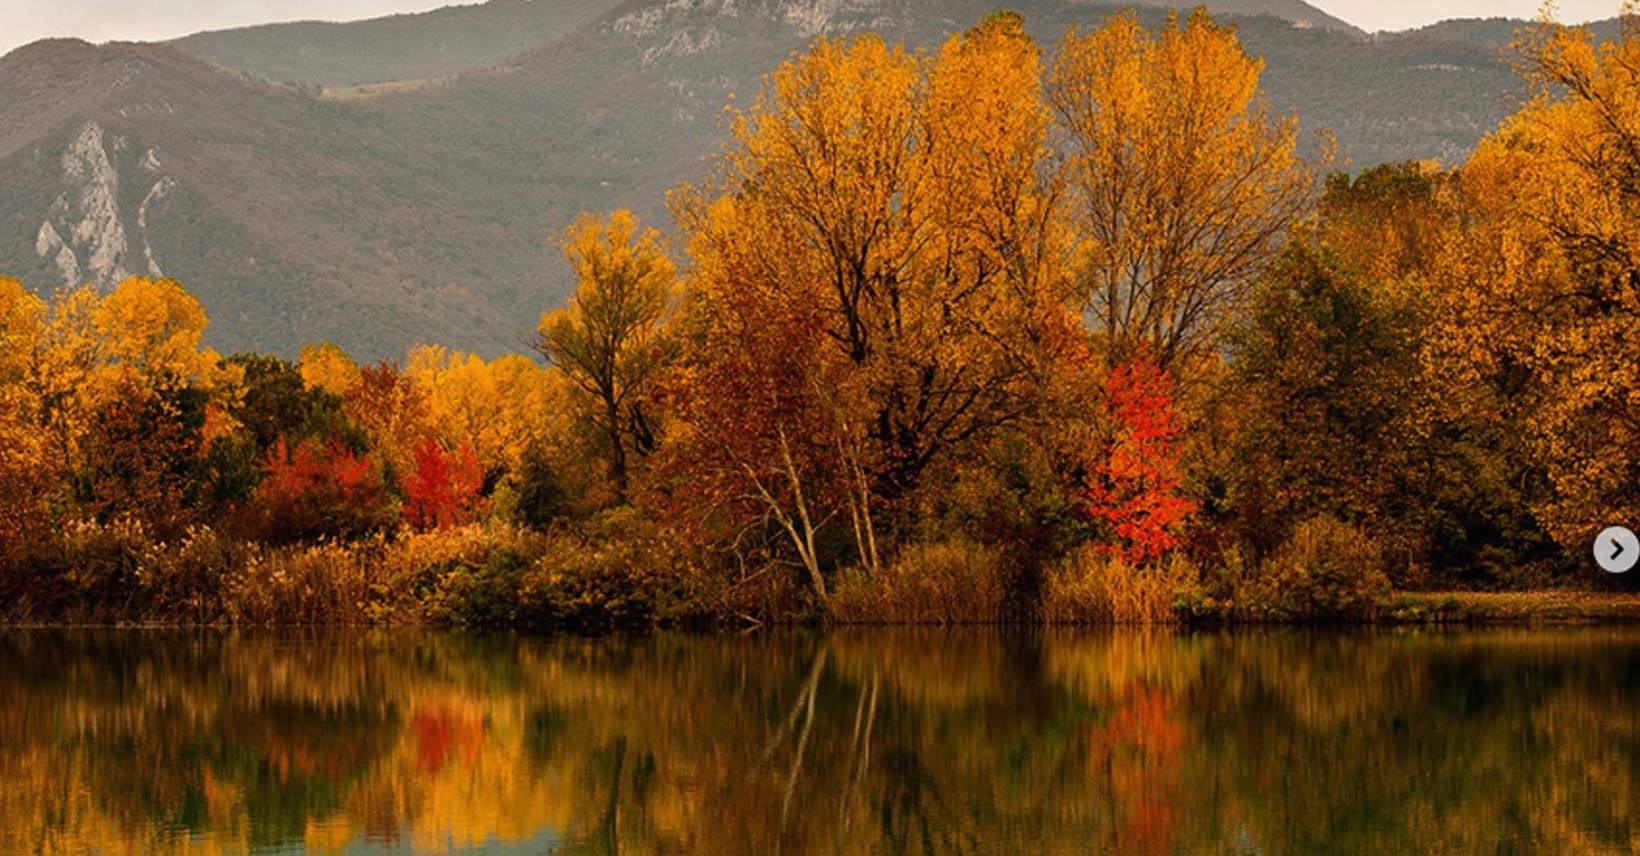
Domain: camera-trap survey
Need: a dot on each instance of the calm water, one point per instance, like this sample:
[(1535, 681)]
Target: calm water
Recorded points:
[(854, 742)]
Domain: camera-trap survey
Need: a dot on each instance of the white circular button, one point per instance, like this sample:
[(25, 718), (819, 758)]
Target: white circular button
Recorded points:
[(1616, 550)]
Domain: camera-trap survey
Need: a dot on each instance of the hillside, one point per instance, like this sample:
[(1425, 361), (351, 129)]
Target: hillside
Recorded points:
[(426, 213), (428, 46), (292, 218)]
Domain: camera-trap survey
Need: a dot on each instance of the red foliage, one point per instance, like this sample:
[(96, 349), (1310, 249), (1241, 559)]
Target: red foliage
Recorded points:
[(749, 397), (316, 490), (443, 488), (440, 733), (1139, 750), (1136, 483), (140, 455)]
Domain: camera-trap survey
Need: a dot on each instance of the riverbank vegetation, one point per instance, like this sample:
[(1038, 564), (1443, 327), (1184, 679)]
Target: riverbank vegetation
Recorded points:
[(1082, 334)]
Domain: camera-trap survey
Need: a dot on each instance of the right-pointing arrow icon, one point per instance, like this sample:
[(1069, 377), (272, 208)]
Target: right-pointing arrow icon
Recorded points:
[(1622, 553)]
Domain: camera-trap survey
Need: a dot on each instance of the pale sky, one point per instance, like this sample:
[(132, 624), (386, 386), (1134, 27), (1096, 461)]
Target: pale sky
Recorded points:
[(23, 21)]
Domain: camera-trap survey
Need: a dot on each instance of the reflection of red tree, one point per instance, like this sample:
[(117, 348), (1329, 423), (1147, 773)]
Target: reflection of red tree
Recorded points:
[(1138, 750), (439, 731)]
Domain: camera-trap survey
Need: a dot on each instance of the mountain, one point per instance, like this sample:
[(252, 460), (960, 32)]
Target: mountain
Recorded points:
[(1497, 32), (405, 181), (427, 46), (294, 218)]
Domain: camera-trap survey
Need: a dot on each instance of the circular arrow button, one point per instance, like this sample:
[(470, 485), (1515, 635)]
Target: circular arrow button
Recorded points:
[(1616, 550)]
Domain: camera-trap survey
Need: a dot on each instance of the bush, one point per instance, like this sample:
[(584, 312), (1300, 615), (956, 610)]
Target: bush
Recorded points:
[(941, 583), (85, 572), (620, 571), (327, 583), (1328, 570), (184, 581)]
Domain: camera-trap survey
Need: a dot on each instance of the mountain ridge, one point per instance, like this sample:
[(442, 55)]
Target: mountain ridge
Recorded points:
[(381, 217)]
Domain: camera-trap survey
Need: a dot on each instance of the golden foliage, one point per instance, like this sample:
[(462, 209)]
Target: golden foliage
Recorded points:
[(154, 327), (25, 467), (896, 206), (1181, 183), (500, 407), (609, 340), (1545, 292), (326, 366)]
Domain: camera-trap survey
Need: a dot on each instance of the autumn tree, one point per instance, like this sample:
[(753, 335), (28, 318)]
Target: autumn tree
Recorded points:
[(25, 466), (1544, 294), (391, 409), (1136, 488), (890, 216), (753, 440), (326, 366), (443, 488), (500, 408), (1327, 370), (318, 488), (127, 394), (609, 341), (274, 402), (153, 329), (1181, 184), (143, 455), (905, 200)]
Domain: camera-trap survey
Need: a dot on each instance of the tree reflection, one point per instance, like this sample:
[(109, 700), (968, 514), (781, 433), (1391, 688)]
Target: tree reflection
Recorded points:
[(888, 741)]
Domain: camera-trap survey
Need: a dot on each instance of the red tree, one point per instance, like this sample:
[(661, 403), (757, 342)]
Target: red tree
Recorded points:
[(321, 489), (1136, 483), (443, 488)]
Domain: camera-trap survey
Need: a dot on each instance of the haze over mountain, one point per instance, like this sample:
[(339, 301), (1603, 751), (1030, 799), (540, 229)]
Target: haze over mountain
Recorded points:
[(388, 182)]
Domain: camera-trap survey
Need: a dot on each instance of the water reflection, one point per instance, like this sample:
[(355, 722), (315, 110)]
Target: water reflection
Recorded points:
[(880, 741)]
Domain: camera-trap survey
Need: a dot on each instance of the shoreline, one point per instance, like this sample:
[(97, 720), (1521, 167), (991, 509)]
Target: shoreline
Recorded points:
[(1542, 608)]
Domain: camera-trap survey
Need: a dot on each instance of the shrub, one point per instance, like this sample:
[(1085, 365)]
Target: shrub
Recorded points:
[(1328, 569), (466, 575), (620, 571), (184, 581), (86, 571), (328, 583)]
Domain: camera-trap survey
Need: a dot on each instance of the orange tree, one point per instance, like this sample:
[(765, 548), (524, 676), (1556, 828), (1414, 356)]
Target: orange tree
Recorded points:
[(882, 232), (1544, 284)]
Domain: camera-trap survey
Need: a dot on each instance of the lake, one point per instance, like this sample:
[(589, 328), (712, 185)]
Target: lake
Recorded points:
[(880, 741)]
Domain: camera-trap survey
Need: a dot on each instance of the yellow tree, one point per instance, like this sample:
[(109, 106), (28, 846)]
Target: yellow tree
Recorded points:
[(1181, 184), (609, 341), (70, 378), (153, 328), (24, 464), (326, 366), (500, 407), (882, 235), (121, 378), (1545, 294)]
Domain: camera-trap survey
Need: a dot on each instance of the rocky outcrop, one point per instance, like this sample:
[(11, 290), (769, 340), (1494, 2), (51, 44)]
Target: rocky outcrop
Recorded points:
[(84, 233)]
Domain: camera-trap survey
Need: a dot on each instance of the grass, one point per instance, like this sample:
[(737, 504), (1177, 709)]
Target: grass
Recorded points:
[(365, 91), (1525, 607), (941, 583), (1090, 587)]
